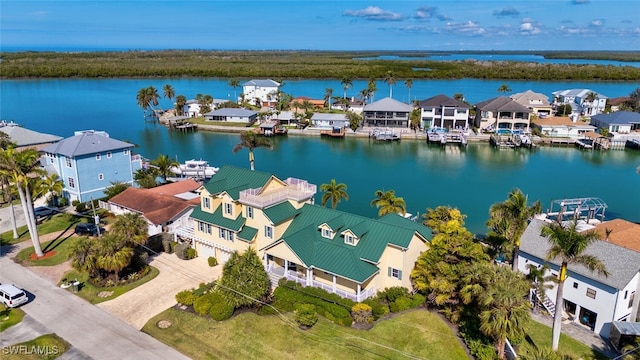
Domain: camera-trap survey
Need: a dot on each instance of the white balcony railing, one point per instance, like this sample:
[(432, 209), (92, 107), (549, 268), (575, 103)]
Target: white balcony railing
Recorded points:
[(296, 189)]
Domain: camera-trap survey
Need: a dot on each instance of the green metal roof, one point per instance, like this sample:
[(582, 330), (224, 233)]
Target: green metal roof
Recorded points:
[(281, 212), (395, 219), (333, 255), (336, 223), (247, 233), (217, 219), (232, 179)]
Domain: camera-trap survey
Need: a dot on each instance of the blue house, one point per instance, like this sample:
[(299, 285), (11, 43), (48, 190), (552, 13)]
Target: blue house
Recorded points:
[(89, 162)]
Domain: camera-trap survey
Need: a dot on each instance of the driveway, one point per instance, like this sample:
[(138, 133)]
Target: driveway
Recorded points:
[(139, 305)]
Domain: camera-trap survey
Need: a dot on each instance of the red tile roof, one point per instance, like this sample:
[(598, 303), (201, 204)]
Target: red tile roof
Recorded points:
[(176, 188), (157, 208), (623, 233)]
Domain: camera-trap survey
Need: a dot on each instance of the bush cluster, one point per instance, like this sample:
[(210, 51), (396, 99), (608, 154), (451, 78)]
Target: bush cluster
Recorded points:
[(185, 297), (184, 251), (206, 301), (362, 313), (306, 315)]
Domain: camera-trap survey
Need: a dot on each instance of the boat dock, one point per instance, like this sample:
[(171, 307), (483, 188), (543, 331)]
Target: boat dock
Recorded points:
[(383, 135), (181, 123), (334, 132), (502, 141)]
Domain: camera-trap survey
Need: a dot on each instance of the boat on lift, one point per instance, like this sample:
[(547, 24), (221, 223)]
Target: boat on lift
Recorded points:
[(195, 168)]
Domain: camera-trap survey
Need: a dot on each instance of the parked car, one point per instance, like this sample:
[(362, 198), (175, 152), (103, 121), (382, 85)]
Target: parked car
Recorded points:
[(88, 229), (43, 211), (12, 296)]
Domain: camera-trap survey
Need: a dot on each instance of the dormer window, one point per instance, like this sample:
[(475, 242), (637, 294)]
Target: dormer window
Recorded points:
[(348, 239), (206, 202), (327, 233), (228, 209)]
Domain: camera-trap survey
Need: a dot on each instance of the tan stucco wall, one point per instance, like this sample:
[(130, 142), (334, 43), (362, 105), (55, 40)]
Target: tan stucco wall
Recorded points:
[(282, 251), (272, 184)]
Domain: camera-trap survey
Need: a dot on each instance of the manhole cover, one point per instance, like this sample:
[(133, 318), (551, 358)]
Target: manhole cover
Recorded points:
[(164, 324)]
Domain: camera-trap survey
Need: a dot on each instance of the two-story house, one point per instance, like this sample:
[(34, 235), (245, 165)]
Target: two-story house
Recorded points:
[(536, 102), (591, 300), (444, 112), (260, 92), (346, 254), (387, 112), (619, 122), (502, 113), (193, 108), (583, 101), (89, 162)]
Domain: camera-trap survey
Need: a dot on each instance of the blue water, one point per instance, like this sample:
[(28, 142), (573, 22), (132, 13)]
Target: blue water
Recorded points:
[(505, 57), (426, 176)]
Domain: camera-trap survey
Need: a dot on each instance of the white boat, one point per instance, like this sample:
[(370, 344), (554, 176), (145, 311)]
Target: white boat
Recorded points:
[(195, 168)]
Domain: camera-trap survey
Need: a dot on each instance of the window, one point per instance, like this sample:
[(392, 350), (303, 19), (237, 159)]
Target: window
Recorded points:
[(633, 295), (591, 293), (68, 162), (208, 228), (98, 157), (227, 209), (348, 239), (101, 176), (109, 155), (230, 236), (223, 233), (206, 202), (72, 183), (126, 151), (327, 233), (394, 273), (575, 285), (268, 232), (249, 212), (201, 226)]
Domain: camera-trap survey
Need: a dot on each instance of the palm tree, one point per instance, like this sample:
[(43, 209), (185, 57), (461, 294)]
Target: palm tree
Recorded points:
[(7, 193), (251, 141), (371, 86), (409, 83), (391, 80), (52, 185), (18, 166), (569, 246), (388, 203), (504, 88), (346, 83), (540, 281), (458, 96), (168, 92), (112, 256), (328, 92), (131, 228), (84, 257), (143, 101), (511, 217), (234, 83), (365, 94), (181, 101), (163, 164), (334, 192)]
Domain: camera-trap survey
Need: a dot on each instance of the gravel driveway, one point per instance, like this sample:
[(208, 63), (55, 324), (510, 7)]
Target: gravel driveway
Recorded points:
[(139, 305)]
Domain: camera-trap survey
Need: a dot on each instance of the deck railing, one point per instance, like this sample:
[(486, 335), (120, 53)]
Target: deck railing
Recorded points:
[(301, 279), (296, 189)]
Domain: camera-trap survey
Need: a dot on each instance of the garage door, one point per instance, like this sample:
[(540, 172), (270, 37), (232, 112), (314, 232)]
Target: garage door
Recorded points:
[(204, 251), (223, 256)]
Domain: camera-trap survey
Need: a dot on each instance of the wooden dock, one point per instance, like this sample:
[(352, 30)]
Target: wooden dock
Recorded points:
[(335, 132), (502, 141)]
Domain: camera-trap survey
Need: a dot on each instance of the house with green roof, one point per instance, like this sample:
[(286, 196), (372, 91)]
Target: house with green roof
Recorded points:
[(343, 253)]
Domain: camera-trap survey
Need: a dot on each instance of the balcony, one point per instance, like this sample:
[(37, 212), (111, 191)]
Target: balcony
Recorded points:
[(296, 190)]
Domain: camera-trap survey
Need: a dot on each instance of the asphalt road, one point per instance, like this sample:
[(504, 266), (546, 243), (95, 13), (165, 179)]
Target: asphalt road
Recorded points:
[(88, 328)]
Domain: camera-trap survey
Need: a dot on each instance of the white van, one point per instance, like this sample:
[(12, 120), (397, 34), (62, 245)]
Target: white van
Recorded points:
[(12, 296)]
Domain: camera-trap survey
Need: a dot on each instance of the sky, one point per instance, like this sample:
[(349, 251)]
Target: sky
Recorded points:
[(320, 25)]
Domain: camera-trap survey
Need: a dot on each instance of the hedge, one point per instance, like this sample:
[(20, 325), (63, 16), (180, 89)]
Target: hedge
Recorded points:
[(185, 297), (203, 304)]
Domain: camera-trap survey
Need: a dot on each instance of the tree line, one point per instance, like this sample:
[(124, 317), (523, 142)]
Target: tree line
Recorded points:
[(287, 64)]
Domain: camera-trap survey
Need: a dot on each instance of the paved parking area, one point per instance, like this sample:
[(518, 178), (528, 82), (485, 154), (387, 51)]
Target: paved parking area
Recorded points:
[(139, 305)]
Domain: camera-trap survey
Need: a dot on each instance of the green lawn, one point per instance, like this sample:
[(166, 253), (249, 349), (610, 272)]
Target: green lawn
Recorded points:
[(540, 336), (10, 317), (57, 222), (45, 347), (90, 292), (60, 246), (419, 333)]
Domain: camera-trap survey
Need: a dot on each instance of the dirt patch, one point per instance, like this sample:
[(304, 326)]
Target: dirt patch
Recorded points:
[(46, 255)]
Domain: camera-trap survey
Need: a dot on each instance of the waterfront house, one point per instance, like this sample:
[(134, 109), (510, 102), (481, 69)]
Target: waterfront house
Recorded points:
[(89, 162), (285, 117), (260, 92), (329, 121), (619, 122), (502, 113), (560, 126), (387, 112), (192, 108), (347, 254), (165, 207), (352, 104), (25, 138), (619, 103), (581, 101), (591, 300), (314, 103), (232, 115), (444, 112), (536, 102)]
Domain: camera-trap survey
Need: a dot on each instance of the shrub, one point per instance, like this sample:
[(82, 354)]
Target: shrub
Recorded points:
[(185, 297), (81, 207), (378, 309), (203, 304), (393, 293), (417, 300), (203, 289), (220, 309), (362, 313), (154, 244), (167, 245), (191, 253), (331, 306), (401, 304), (212, 261), (181, 251), (306, 315)]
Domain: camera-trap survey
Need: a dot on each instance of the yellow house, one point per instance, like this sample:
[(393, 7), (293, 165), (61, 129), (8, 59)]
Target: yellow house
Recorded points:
[(347, 254)]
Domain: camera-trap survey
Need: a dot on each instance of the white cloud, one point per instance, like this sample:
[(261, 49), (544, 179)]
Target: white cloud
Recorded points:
[(529, 27), (597, 23), (465, 28), (374, 13)]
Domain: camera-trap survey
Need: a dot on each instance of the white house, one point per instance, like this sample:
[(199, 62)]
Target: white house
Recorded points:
[(193, 108), (558, 126), (445, 112), (263, 90), (580, 101), (328, 121), (590, 300), (232, 115), (619, 122)]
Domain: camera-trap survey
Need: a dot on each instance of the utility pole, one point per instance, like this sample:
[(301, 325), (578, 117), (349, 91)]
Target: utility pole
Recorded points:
[(96, 218)]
